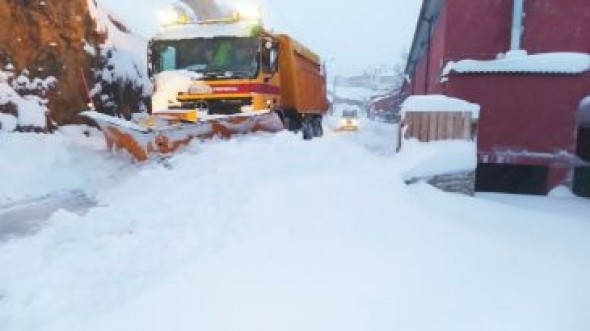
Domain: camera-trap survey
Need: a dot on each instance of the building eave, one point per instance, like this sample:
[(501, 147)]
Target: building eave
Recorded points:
[(428, 13)]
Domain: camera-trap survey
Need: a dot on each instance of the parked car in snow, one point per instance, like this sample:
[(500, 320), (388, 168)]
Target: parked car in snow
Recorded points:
[(349, 120)]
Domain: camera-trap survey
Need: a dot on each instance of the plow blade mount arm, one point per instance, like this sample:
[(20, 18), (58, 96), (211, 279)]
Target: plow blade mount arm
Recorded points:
[(159, 136)]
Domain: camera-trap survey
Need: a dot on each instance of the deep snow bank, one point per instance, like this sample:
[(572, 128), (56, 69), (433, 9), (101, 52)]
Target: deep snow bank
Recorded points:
[(35, 165), (270, 232)]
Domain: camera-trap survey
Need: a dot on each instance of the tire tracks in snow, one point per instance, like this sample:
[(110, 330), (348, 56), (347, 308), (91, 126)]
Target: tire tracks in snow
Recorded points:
[(26, 217)]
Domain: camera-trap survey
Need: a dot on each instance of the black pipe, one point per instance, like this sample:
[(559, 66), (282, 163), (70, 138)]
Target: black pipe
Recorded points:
[(427, 78)]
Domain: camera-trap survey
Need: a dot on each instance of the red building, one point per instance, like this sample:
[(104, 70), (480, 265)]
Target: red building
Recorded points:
[(527, 63)]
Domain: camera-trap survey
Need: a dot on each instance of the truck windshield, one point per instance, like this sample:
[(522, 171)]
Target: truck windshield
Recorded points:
[(215, 58), (349, 113)]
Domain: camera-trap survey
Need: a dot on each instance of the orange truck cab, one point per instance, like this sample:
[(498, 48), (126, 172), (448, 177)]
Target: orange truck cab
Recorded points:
[(229, 67)]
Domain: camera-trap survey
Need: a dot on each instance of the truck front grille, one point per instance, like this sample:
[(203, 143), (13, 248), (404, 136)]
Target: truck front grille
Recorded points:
[(227, 106)]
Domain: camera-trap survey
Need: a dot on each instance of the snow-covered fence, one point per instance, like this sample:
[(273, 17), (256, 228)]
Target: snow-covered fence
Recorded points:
[(438, 117), (437, 125)]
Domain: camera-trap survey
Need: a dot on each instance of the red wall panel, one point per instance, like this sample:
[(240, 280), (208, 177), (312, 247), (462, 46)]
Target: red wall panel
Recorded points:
[(557, 25), (534, 113), (478, 29), (429, 68), (528, 112)]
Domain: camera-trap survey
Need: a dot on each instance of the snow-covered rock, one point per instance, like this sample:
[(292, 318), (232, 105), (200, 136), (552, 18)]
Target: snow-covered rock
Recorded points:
[(41, 40)]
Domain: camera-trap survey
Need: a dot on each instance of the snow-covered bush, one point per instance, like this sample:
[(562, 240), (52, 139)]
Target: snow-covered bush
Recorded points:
[(118, 78), (22, 100), (121, 78)]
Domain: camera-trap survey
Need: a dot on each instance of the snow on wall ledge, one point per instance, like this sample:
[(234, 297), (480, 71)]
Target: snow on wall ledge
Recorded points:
[(439, 103), (521, 62)]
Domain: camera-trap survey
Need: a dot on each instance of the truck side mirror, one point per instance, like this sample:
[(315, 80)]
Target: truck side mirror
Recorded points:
[(270, 57)]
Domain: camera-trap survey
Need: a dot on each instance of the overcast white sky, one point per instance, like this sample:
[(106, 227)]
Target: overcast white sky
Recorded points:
[(355, 33)]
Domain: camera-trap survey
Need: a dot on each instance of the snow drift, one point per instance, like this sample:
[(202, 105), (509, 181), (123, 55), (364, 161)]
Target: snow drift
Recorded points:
[(270, 232)]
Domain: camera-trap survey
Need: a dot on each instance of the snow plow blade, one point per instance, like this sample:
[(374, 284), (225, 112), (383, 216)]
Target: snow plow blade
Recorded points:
[(158, 136)]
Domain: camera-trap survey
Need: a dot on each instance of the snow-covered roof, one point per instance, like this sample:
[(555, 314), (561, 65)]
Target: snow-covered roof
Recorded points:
[(439, 103), (521, 62), (210, 30)]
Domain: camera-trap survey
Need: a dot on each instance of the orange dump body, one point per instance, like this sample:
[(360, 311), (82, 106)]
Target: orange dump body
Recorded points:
[(303, 84)]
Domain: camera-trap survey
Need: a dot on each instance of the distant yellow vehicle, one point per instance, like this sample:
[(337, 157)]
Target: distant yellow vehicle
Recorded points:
[(349, 121)]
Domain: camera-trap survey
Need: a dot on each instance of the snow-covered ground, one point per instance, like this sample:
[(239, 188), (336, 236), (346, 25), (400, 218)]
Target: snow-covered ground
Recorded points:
[(36, 165), (269, 232)]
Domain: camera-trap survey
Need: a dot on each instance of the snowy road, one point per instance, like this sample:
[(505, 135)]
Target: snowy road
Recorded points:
[(269, 232), (27, 217)]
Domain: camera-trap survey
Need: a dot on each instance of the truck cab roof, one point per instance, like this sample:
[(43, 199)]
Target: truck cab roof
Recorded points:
[(209, 29)]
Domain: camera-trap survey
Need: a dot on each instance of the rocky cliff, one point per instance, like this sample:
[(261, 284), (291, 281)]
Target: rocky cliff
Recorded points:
[(62, 39)]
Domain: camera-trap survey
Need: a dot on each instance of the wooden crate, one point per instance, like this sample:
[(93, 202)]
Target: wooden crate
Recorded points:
[(432, 126)]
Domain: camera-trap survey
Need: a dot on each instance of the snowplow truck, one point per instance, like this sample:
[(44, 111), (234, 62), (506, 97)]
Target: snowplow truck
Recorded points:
[(220, 78)]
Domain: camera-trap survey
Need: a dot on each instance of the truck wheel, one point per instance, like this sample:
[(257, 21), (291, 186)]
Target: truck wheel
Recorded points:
[(291, 120), (318, 129), (307, 129)]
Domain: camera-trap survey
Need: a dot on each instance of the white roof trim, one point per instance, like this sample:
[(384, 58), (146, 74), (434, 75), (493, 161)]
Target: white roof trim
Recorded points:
[(521, 62)]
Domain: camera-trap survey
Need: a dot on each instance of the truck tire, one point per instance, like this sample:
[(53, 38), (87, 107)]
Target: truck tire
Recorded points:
[(292, 121), (308, 128), (317, 125)]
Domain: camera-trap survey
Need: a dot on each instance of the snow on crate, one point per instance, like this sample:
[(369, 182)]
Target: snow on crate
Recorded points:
[(439, 103), (445, 153), (521, 62)]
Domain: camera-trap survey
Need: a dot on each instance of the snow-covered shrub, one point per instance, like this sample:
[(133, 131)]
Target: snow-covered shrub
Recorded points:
[(22, 100), (118, 78), (121, 78)]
